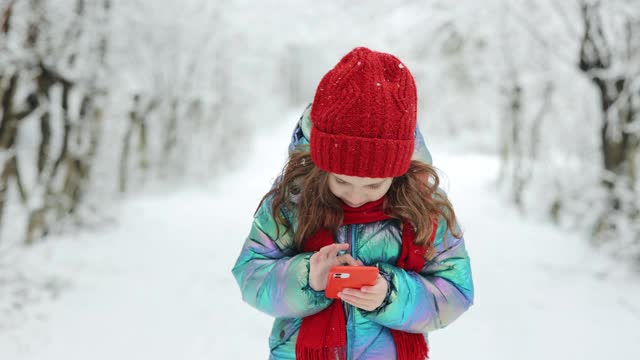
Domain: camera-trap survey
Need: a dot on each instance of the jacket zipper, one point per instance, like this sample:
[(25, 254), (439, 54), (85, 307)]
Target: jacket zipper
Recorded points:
[(350, 316)]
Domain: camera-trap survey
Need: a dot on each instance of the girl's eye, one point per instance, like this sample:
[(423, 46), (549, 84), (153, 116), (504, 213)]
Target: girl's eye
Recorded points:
[(340, 181), (374, 186)]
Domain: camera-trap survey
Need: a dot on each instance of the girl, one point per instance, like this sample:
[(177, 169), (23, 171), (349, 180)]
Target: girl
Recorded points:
[(357, 189)]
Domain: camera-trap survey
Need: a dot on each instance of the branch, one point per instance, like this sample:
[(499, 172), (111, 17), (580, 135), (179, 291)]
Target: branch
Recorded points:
[(531, 29), (6, 14), (557, 7)]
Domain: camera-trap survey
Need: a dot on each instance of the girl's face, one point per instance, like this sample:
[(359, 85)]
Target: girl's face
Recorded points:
[(356, 191)]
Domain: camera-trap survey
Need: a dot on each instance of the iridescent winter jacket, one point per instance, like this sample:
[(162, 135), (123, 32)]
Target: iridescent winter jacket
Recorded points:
[(274, 278)]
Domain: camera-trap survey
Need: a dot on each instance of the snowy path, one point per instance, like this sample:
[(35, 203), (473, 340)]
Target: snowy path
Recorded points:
[(158, 285)]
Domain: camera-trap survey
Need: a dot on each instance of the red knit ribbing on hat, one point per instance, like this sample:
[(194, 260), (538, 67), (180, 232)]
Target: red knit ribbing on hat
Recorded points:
[(364, 116)]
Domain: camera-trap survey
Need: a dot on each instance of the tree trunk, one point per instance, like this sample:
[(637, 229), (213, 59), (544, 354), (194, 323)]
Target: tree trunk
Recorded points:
[(620, 144)]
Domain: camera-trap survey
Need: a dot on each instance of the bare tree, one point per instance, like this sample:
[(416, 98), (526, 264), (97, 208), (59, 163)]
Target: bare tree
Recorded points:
[(606, 41), (614, 68)]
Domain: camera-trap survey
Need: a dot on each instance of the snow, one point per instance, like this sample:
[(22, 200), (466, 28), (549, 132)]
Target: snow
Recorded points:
[(157, 283)]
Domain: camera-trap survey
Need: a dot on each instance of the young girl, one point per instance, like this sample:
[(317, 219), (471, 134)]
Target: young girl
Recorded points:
[(358, 189)]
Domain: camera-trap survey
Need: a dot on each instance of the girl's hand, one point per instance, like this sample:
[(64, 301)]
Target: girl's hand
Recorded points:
[(323, 260), (368, 297)]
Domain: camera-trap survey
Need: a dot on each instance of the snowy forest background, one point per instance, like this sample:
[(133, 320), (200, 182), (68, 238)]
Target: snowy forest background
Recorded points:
[(103, 99)]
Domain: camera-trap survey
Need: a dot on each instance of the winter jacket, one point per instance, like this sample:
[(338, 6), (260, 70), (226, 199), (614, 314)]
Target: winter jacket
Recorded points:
[(274, 278)]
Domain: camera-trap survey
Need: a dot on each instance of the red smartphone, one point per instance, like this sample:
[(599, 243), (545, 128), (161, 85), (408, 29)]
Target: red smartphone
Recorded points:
[(345, 277)]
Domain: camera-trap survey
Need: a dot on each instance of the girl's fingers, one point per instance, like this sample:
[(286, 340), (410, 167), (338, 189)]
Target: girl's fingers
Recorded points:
[(336, 248), (324, 250), (347, 259), (331, 251), (360, 295), (359, 303), (328, 256)]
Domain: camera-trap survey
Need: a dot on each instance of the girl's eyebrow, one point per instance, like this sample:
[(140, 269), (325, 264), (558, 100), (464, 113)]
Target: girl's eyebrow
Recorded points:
[(343, 180)]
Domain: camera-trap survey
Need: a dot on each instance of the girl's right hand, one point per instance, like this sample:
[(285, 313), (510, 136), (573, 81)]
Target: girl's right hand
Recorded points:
[(323, 260)]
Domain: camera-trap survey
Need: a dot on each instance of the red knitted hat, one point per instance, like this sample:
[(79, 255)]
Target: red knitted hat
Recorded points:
[(364, 116)]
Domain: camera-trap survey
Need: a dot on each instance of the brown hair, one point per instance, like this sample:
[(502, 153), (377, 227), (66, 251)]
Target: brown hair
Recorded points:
[(413, 196)]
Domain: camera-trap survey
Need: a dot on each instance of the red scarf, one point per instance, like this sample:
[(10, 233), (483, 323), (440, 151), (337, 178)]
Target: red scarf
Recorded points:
[(323, 335)]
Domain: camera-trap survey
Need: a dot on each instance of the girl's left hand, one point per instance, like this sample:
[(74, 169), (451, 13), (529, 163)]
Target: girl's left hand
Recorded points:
[(368, 297)]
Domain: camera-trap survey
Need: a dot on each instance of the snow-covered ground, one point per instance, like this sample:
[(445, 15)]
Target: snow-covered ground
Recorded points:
[(158, 285)]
